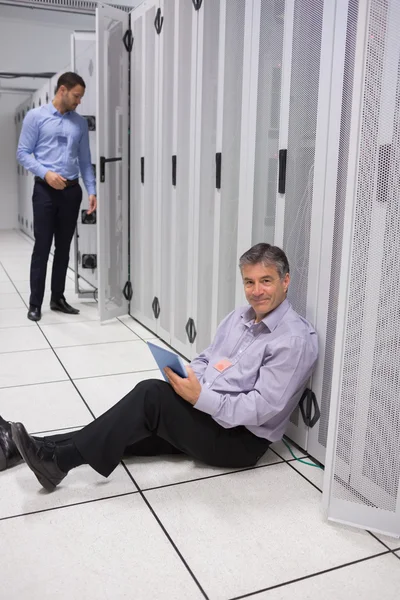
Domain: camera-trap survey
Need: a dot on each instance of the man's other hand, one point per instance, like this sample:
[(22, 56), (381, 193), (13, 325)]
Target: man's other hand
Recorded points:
[(92, 204), (187, 388), (55, 180)]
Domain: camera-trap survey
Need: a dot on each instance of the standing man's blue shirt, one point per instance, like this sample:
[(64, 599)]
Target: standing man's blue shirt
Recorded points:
[(59, 143)]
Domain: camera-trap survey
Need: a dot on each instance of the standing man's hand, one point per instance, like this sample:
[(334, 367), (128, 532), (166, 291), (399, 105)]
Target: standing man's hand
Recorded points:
[(55, 180), (187, 388), (92, 204)]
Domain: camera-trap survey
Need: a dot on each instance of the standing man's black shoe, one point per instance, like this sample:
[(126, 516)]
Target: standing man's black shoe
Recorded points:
[(39, 459), (62, 305), (9, 455), (34, 313)]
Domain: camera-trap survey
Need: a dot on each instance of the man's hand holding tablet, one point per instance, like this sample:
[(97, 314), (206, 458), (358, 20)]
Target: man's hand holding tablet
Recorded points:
[(181, 378)]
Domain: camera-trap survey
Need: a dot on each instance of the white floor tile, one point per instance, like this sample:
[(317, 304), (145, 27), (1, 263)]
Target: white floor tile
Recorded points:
[(89, 332), (314, 474), (103, 392), (14, 317), (12, 300), (391, 542), (88, 312), (23, 285), (3, 276), (44, 407), (137, 328), (106, 359), (16, 339), (255, 529), (157, 471), (35, 366), (25, 494), (6, 287), (367, 580), (108, 549)]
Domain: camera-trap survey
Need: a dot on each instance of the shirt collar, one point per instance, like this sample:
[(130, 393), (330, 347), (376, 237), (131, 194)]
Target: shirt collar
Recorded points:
[(273, 318), (54, 111)]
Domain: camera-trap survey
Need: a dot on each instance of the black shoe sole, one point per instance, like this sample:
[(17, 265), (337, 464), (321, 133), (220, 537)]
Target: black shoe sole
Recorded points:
[(65, 312), (49, 483)]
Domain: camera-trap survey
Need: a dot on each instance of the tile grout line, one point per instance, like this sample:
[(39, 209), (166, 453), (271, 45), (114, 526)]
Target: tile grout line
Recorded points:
[(298, 579), (163, 528), (52, 508)]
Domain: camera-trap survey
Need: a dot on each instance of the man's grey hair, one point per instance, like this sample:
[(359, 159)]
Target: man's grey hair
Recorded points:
[(267, 255)]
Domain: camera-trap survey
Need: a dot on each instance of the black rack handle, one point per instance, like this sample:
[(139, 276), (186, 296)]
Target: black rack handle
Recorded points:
[(310, 401), (158, 21), (155, 305), (142, 169), (218, 164), (197, 4), (103, 162), (128, 40), (282, 171), (174, 170), (127, 291), (191, 330)]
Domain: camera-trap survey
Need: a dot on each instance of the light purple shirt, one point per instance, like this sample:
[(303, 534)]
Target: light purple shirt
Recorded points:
[(271, 363)]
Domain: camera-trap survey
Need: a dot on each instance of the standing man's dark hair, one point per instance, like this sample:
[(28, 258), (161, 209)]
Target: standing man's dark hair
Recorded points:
[(268, 256), (69, 80), (54, 146)]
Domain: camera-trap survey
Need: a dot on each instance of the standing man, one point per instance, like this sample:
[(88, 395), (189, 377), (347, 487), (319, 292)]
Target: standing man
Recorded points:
[(54, 146)]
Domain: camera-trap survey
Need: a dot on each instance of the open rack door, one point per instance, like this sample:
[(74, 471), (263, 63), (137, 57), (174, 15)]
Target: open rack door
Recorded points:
[(113, 37)]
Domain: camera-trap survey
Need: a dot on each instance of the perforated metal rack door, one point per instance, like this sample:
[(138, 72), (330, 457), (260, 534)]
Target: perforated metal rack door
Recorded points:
[(270, 31), (144, 99), (112, 161), (303, 109), (364, 468)]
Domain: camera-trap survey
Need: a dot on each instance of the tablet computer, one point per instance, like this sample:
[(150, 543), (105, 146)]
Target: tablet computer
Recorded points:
[(166, 358)]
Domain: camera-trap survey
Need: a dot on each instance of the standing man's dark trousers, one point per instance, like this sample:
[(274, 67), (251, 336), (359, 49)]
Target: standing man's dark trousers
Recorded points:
[(55, 213), (152, 419)]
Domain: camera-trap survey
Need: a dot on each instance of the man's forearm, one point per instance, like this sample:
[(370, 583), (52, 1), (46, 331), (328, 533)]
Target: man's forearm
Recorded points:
[(29, 162)]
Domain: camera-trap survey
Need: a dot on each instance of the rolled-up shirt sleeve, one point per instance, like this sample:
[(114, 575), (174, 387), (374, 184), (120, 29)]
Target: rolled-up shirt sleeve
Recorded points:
[(280, 377), (85, 161), (26, 145)]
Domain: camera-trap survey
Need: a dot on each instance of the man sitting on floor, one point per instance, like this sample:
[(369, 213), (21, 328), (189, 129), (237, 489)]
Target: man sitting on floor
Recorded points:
[(237, 399)]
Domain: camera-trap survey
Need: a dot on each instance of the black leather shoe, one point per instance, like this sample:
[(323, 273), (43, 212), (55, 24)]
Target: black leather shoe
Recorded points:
[(62, 305), (34, 313), (9, 455), (43, 463)]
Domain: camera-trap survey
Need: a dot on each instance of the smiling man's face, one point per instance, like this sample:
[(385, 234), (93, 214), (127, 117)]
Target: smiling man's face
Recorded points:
[(263, 287)]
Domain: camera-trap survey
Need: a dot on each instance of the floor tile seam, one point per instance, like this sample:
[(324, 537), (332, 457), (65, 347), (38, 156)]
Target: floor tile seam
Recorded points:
[(69, 378), (167, 535), (375, 536), (310, 576), (90, 343), (26, 350), (139, 336), (114, 374), (303, 476), (63, 506), (207, 477), (9, 387)]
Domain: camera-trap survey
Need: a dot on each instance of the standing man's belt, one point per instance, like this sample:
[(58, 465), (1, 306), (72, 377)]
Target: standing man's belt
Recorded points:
[(68, 182)]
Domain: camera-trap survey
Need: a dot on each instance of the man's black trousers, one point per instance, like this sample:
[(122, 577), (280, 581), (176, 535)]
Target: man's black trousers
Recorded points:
[(55, 213), (152, 419)]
